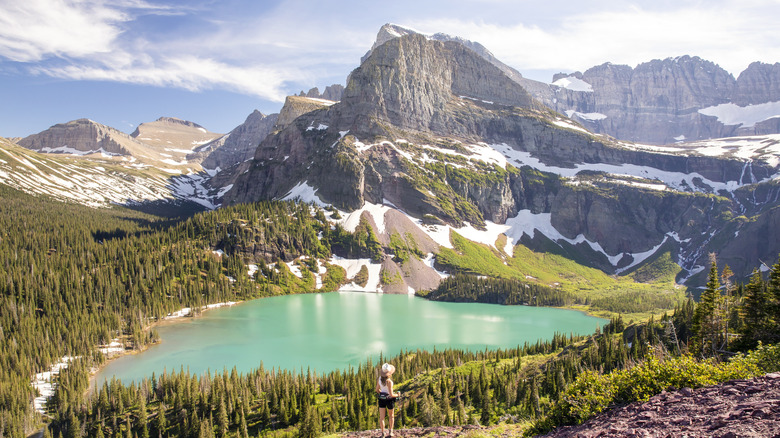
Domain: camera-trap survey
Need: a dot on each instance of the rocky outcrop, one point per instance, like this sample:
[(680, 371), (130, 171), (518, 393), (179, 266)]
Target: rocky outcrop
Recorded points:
[(82, 136), (173, 135), (738, 408), (759, 83), (296, 106), (332, 93), (238, 145), (411, 83), (659, 101)]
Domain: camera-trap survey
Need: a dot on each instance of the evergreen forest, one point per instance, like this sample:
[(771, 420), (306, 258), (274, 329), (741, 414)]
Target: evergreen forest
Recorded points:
[(74, 278)]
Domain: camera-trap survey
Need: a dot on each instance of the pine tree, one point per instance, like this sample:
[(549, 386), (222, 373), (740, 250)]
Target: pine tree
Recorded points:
[(160, 422), (705, 318), (754, 310), (773, 291), (222, 419)]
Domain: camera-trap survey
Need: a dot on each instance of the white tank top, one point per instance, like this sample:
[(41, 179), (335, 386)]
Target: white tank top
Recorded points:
[(383, 388)]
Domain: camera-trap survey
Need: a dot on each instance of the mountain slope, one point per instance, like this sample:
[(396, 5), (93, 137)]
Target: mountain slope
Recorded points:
[(163, 144), (174, 138), (97, 182), (238, 145)]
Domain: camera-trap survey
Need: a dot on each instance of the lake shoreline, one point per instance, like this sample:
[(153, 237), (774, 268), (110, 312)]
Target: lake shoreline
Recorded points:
[(177, 317), (332, 320)]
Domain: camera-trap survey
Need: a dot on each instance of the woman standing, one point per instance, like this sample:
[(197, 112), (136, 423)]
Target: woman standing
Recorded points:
[(384, 387)]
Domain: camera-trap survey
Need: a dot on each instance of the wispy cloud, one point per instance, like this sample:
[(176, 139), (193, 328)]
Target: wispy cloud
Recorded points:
[(109, 41), (31, 30), (187, 72)]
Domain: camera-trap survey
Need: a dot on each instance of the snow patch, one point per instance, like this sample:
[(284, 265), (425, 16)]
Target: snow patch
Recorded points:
[(429, 261), (304, 192), (352, 266), (593, 117), (350, 220), (43, 383), (573, 84), (747, 116)]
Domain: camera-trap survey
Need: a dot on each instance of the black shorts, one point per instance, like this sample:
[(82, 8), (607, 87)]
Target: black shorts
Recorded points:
[(388, 403)]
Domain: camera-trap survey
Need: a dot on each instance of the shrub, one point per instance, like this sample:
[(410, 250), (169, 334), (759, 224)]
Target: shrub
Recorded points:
[(592, 393)]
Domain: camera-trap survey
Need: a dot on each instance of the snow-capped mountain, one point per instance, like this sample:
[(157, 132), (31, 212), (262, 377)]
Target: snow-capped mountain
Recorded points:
[(437, 132)]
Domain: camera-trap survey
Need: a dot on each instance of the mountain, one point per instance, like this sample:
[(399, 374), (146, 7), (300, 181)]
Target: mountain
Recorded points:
[(98, 181), (664, 101), (86, 162), (176, 137), (83, 137), (332, 92), (433, 138), (238, 145), (164, 143), (658, 102), (435, 131)]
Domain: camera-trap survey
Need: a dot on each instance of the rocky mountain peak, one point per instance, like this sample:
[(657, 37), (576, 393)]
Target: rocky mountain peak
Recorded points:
[(332, 92), (177, 121), (410, 80), (759, 83), (296, 106), (387, 32), (81, 137), (239, 144), (173, 133)]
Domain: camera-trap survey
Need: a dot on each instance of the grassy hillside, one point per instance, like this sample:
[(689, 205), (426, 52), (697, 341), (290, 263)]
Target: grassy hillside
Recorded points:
[(646, 290)]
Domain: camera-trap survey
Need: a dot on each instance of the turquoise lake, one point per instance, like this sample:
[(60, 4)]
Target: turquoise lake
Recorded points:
[(337, 330)]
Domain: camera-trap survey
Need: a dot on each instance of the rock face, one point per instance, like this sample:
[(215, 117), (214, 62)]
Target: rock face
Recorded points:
[(82, 136), (410, 81), (332, 92), (657, 102), (739, 408), (667, 101), (759, 83), (414, 129), (239, 144), (295, 106), (171, 133)]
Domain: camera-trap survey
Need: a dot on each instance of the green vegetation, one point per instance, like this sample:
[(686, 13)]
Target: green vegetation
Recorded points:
[(73, 278), (467, 288), (595, 291), (404, 248), (592, 393)]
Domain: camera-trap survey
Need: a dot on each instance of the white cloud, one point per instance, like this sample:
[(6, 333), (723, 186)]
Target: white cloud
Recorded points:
[(188, 72), (33, 29)]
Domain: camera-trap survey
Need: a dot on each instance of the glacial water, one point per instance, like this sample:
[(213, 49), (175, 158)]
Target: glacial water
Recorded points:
[(330, 331)]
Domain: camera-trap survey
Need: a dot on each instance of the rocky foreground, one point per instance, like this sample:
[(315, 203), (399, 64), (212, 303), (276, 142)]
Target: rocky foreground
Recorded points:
[(739, 408)]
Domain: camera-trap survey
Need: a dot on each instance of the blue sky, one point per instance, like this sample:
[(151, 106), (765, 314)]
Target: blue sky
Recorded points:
[(124, 62)]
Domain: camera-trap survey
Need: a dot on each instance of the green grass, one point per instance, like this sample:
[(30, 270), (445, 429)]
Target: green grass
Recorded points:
[(600, 294)]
